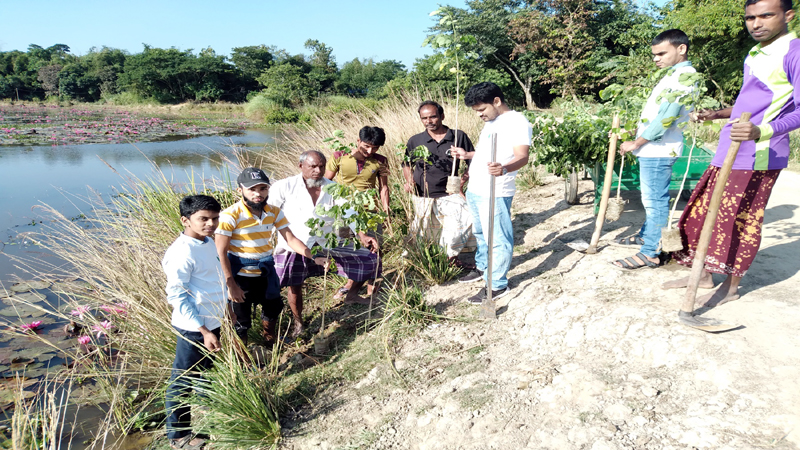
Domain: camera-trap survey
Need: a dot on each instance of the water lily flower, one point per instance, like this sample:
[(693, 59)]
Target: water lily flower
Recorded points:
[(80, 311), (31, 326), (83, 340), (102, 328), (118, 308)]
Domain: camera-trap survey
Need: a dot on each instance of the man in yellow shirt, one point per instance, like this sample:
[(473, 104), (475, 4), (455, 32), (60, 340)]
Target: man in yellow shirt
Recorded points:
[(364, 168)]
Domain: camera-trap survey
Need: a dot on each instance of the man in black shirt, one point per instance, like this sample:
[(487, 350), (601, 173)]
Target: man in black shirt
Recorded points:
[(437, 213)]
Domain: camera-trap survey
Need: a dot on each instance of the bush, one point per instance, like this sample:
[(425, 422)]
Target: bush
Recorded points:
[(261, 108)]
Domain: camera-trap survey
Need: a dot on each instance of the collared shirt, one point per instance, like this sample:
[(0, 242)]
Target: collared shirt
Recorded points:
[(512, 130), (251, 237), (664, 142), (292, 197), (430, 177), (361, 174), (768, 94), (195, 284)]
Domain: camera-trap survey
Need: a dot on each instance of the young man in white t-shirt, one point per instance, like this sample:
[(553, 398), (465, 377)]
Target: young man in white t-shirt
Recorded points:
[(657, 147), (513, 142)]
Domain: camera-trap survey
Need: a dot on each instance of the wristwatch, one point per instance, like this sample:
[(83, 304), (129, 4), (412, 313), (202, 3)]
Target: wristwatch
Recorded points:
[(505, 171)]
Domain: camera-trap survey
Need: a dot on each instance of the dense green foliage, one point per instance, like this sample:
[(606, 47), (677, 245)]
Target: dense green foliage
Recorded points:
[(536, 50)]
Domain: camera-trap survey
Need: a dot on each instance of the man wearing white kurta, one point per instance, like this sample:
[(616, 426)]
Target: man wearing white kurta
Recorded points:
[(657, 147), (298, 197)]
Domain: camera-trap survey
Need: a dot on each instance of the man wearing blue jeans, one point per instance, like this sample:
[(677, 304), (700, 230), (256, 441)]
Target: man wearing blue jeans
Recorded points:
[(657, 147), (513, 133)]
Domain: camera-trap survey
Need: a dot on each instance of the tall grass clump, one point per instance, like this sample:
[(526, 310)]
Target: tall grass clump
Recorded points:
[(405, 309), (429, 260), (238, 404), (39, 422)]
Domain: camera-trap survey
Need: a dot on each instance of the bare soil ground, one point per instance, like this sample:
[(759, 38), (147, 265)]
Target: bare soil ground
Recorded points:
[(585, 356)]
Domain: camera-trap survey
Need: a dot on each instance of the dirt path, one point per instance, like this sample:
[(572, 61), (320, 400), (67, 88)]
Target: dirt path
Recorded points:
[(585, 356)]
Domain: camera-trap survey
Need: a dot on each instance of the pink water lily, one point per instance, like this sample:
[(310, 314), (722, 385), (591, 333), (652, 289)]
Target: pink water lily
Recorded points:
[(117, 308), (31, 326), (80, 311), (102, 328), (83, 340)]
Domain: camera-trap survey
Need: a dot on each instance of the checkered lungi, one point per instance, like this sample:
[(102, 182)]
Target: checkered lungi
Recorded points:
[(357, 265), (446, 219)]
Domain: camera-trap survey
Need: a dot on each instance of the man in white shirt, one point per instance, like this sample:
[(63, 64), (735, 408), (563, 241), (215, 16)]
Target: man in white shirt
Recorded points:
[(657, 147), (298, 197), (513, 133)]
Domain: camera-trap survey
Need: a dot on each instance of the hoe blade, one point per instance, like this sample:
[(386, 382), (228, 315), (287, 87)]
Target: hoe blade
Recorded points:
[(704, 323)]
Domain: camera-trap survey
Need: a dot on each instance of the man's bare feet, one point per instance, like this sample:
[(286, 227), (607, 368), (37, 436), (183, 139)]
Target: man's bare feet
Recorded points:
[(298, 329), (706, 282), (719, 297), (354, 299)]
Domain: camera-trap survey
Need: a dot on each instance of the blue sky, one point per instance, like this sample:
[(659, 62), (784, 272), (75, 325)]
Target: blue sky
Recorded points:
[(380, 29)]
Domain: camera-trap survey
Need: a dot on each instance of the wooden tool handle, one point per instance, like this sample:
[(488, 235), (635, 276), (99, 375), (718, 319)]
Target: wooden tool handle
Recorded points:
[(601, 215), (455, 160), (708, 225)]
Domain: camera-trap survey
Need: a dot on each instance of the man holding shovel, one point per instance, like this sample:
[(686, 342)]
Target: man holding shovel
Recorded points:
[(657, 146), (438, 213), (513, 134), (771, 69)]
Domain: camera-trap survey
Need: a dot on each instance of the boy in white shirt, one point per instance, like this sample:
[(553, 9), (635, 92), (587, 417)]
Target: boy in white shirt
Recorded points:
[(513, 142), (196, 292)]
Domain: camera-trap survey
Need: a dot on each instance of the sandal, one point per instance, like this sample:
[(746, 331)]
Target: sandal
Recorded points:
[(341, 293), (632, 264), (630, 241), (184, 443)]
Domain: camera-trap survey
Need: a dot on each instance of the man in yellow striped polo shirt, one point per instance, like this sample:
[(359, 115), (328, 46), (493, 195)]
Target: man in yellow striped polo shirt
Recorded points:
[(244, 245)]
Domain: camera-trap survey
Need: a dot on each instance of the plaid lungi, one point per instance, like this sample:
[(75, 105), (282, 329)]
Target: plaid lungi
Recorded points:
[(357, 265), (736, 236)]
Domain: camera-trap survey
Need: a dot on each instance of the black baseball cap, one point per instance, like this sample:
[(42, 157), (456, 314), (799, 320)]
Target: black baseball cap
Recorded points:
[(251, 177)]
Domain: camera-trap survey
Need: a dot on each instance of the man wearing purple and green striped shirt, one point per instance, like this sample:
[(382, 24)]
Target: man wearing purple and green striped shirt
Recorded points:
[(771, 71)]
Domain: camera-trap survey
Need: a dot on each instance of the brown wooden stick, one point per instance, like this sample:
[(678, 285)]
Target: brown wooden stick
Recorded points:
[(601, 214), (698, 264)]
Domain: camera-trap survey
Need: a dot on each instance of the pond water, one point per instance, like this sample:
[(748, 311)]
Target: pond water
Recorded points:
[(63, 177)]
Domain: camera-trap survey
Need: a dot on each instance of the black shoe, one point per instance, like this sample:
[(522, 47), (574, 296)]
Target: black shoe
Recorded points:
[(478, 298), (471, 277)]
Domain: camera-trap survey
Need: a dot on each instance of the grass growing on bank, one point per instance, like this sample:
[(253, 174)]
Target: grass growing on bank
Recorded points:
[(125, 314)]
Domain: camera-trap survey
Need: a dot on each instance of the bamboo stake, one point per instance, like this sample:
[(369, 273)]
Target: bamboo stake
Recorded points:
[(601, 215), (487, 307)]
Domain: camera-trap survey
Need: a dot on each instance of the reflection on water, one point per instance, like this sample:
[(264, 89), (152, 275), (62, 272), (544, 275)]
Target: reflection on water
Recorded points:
[(61, 176)]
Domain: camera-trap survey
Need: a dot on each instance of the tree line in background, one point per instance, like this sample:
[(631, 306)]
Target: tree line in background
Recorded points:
[(536, 50)]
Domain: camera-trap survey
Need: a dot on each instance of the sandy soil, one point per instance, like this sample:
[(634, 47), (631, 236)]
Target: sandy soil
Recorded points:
[(586, 356)]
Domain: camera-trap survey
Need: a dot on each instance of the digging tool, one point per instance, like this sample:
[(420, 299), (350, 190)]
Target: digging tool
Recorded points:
[(686, 314), (487, 307), (616, 205), (671, 237), (601, 214)]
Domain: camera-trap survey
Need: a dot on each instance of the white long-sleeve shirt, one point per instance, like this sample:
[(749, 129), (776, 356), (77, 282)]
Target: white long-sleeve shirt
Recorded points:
[(195, 284)]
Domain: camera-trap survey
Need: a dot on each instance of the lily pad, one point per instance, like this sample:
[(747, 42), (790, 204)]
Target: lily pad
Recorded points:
[(28, 297), (22, 310), (33, 352), (70, 287), (30, 285)]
